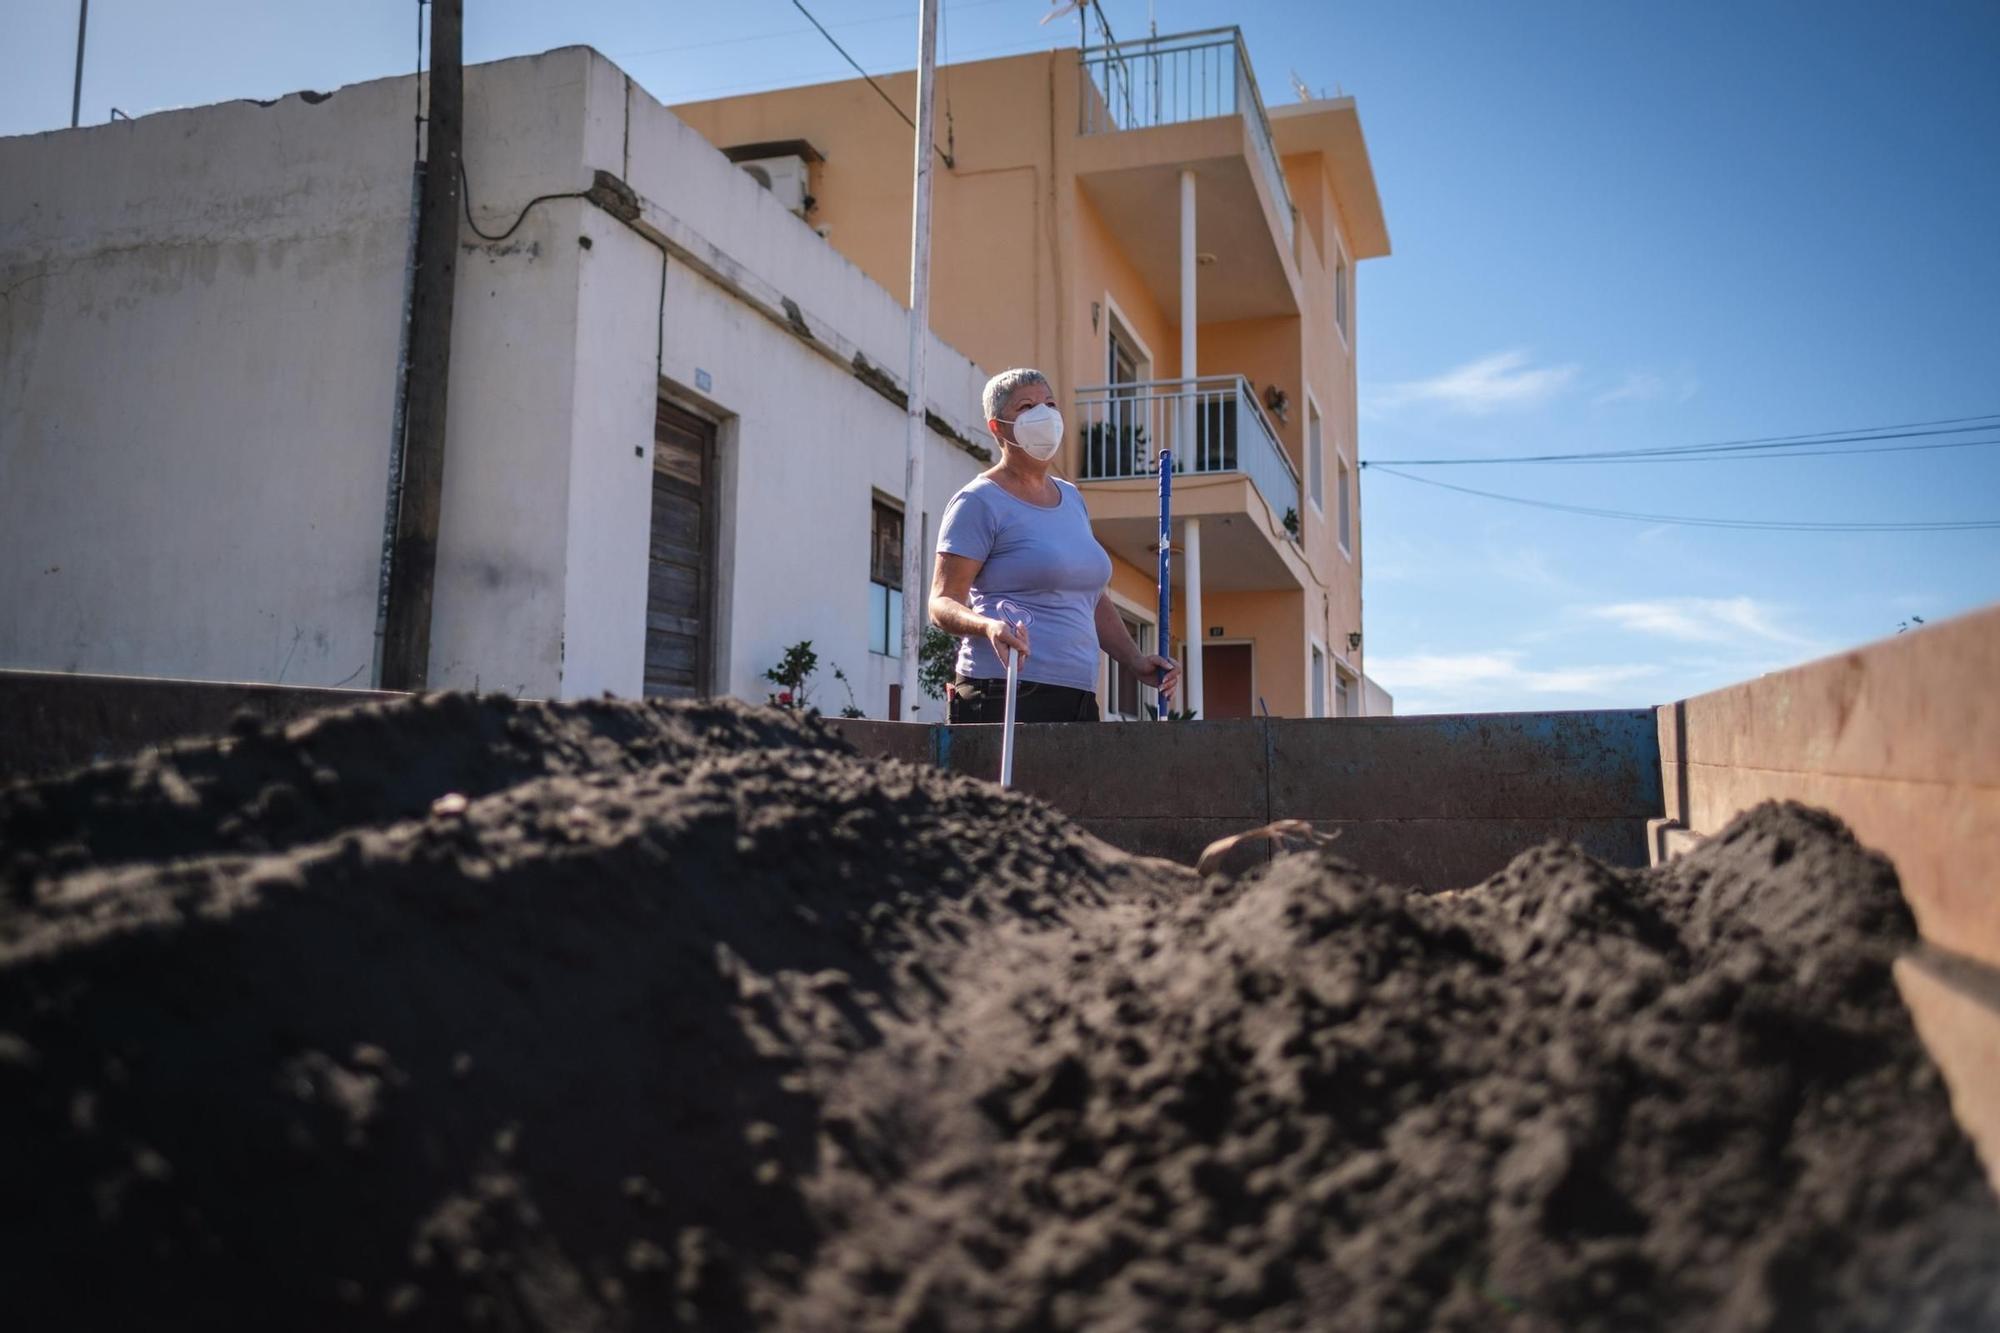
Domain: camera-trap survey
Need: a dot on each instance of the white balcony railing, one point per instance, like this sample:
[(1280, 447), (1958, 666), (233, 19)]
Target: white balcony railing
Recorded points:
[(1170, 80), (1212, 424)]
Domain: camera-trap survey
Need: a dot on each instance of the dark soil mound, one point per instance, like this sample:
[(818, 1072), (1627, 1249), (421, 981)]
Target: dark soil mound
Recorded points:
[(687, 1016)]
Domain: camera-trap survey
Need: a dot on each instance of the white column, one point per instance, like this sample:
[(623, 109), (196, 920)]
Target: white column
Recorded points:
[(1196, 631), (1189, 323)]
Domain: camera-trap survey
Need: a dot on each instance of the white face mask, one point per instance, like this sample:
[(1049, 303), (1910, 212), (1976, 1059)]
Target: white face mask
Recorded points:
[(1039, 431)]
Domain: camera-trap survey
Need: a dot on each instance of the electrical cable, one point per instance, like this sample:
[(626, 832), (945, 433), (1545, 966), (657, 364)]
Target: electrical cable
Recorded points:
[(1791, 453), (900, 16), (879, 92), (1774, 445), (465, 196), (1681, 520)]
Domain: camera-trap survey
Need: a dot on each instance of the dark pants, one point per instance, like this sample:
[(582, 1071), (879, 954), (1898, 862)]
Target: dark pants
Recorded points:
[(986, 701)]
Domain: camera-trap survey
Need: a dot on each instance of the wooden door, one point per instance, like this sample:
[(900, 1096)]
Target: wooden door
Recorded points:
[(680, 579), (1225, 680)]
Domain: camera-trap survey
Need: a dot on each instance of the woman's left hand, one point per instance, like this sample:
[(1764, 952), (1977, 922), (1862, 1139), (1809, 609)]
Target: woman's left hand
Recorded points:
[(1161, 673)]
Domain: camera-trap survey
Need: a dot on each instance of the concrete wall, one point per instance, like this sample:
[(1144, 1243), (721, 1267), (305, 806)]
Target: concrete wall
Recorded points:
[(1440, 802), (198, 372), (197, 384), (805, 445)]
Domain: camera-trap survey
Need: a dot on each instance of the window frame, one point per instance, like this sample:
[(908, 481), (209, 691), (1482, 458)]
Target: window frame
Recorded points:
[(1343, 293), (1315, 455), (1148, 636), (1345, 493), (885, 615)]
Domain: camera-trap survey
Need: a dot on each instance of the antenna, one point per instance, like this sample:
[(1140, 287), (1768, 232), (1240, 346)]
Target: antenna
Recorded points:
[(1301, 87)]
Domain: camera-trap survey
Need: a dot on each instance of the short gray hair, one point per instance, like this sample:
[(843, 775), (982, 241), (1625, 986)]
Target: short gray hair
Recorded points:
[(1005, 385)]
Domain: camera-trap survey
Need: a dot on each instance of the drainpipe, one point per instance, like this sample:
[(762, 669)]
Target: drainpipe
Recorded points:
[(406, 643)]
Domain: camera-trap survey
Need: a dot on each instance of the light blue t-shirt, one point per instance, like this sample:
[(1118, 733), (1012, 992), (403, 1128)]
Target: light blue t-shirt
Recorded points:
[(1044, 559)]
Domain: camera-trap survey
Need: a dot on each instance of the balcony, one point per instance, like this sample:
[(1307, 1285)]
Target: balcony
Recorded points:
[(1175, 80), (1151, 109), (1228, 467)]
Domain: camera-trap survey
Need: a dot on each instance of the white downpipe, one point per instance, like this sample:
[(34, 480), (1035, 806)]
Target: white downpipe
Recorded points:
[(1196, 631), (916, 598)]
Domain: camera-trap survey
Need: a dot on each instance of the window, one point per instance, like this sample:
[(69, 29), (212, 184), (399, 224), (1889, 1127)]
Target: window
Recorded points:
[(1315, 463), (1340, 293), (1319, 682), (885, 582), (1343, 695), (1121, 693), (1343, 497)]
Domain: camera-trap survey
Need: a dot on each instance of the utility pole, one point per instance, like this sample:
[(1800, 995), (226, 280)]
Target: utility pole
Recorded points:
[(916, 583), (76, 95), (406, 645)]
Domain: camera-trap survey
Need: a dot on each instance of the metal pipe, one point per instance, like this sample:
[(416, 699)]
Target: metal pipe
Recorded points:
[(1163, 637), (914, 582), (76, 93)]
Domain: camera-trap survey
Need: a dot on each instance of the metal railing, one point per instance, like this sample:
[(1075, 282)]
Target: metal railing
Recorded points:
[(1213, 424), (1171, 80)]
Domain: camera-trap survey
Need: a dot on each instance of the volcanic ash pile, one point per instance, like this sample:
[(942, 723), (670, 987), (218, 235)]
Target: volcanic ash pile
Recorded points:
[(465, 1013)]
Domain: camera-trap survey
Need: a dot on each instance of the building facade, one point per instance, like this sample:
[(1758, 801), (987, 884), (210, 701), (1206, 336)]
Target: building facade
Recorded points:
[(676, 422), (1182, 261)]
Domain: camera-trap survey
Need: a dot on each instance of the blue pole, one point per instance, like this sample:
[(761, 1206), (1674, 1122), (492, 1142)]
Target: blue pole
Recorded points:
[(1166, 639)]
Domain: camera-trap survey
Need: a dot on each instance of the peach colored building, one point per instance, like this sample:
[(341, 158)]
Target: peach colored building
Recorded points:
[(1181, 261)]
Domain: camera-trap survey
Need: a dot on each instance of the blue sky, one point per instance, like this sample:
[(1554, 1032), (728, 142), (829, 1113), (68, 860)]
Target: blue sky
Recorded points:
[(1615, 226)]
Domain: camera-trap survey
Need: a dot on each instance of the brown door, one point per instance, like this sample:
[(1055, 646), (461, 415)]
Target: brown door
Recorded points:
[(1225, 680), (678, 585)]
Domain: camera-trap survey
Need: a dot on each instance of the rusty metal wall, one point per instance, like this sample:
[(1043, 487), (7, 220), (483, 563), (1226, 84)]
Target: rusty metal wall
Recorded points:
[(51, 721), (1440, 802)]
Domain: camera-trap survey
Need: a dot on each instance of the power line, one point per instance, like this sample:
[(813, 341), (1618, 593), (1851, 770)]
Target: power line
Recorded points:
[(765, 84), (800, 6), (1682, 520), (1774, 446), (1789, 453), (899, 16)]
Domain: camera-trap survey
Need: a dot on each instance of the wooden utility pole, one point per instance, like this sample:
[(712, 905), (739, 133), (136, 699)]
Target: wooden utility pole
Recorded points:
[(406, 645), (916, 581)]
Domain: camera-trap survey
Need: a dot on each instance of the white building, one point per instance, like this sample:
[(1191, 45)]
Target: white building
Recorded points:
[(200, 318)]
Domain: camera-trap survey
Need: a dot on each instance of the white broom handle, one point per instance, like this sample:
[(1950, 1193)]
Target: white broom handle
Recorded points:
[(1007, 726)]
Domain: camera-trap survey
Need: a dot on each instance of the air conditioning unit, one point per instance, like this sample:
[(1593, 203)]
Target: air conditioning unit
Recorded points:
[(785, 177)]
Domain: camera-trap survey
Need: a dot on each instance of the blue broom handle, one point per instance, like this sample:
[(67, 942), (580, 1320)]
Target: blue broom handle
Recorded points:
[(1164, 634)]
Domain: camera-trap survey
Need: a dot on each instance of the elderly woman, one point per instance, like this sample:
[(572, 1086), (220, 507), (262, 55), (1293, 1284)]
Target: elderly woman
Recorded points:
[(1019, 535)]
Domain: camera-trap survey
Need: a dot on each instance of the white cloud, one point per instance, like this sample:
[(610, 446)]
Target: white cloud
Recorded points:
[(1637, 386), (1644, 386), (1504, 380), (1478, 682), (1742, 622)]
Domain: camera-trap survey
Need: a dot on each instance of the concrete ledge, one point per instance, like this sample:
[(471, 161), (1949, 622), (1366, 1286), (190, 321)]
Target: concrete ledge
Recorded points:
[(51, 721), (1668, 838), (1955, 1004)]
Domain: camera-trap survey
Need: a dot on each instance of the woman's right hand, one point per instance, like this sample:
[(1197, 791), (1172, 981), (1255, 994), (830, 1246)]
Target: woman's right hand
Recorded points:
[(1004, 636)]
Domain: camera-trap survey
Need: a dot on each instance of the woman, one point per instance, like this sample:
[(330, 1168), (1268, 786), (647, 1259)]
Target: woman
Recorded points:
[(1015, 533)]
